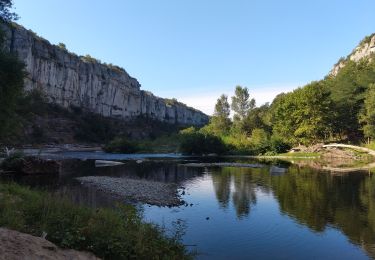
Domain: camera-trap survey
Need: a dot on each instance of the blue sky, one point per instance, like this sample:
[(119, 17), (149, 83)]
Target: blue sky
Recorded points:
[(195, 50)]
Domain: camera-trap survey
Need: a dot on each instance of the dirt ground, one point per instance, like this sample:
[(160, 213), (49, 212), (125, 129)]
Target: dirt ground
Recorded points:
[(19, 246)]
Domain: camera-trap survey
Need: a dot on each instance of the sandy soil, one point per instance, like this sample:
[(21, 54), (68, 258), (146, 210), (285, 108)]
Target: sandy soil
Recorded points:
[(19, 246)]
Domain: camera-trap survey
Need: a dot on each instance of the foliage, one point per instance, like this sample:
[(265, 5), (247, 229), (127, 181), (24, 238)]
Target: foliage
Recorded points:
[(11, 161), (196, 142), (259, 140), (5, 14), (220, 120), (62, 46), (348, 91), (277, 145), (304, 115), (109, 233), (88, 58), (121, 145), (12, 73), (241, 104), (367, 115)]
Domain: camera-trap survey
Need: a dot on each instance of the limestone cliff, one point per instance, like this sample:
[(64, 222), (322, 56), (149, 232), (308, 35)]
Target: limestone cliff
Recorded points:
[(71, 80), (365, 49)]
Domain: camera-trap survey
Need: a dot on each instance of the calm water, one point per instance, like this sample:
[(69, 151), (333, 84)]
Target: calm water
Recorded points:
[(283, 212)]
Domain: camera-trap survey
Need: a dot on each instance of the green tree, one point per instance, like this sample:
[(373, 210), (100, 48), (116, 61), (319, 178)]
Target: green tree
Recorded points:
[(257, 118), (5, 14), (12, 73), (367, 116), (304, 115), (241, 103), (348, 90), (62, 46), (220, 120)]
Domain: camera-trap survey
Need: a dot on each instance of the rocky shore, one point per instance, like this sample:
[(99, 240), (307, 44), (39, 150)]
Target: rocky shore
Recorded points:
[(144, 191)]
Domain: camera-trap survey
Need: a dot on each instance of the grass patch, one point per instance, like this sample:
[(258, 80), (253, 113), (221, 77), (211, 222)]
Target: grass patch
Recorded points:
[(109, 233), (162, 144), (299, 154)]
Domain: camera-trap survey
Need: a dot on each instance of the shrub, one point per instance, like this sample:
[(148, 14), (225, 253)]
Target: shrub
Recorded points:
[(62, 46), (117, 233), (12, 161), (194, 142), (121, 145), (259, 141), (277, 145)]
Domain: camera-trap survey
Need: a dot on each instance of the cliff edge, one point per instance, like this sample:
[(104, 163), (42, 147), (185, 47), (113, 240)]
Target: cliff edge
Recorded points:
[(71, 80)]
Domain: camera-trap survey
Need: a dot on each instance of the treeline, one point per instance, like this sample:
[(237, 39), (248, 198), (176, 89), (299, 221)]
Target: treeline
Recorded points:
[(338, 108)]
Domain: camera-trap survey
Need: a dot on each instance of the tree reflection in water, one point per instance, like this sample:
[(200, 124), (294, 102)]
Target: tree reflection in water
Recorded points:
[(315, 199), (237, 184)]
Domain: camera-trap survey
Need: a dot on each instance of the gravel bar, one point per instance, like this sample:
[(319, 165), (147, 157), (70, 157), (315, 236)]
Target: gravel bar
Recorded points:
[(144, 191)]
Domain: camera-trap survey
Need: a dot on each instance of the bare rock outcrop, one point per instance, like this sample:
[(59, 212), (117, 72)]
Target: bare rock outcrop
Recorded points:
[(71, 80), (364, 50)]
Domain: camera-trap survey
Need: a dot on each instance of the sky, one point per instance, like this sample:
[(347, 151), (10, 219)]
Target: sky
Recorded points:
[(195, 50)]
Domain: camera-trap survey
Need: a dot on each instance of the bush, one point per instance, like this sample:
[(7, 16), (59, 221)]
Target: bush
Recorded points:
[(194, 142), (277, 145), (121, 145), (117, 233), (12, 161), (259, 141)]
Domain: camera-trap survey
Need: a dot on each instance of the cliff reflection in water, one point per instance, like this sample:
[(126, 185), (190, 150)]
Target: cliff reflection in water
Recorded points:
[(315, 199)]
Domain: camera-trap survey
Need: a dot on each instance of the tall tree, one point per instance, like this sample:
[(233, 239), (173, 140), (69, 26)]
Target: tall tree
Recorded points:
[(12, 74), (241, 103), (220, 120)]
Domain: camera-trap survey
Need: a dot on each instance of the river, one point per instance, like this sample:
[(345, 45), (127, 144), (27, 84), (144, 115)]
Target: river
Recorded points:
[(277, 211)]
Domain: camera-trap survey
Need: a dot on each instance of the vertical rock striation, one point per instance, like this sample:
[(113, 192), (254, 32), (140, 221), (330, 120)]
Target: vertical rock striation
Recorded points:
[(71, 80)]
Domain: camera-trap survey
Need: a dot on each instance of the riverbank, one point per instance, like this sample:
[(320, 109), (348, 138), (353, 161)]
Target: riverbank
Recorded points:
[(117, 233)]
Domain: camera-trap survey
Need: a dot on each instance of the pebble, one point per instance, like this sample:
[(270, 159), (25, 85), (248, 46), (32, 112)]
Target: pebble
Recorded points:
[(150, 192)]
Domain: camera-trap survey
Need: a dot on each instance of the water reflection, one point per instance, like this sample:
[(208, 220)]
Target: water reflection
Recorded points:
[(319, 200), (315, 199), (300, 195)]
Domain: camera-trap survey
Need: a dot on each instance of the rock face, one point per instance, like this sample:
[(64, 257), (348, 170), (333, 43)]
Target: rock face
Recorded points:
[(365, 49), (71, 80)]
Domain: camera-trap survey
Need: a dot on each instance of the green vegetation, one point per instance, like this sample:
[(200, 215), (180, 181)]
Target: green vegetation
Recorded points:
[(5, 14), (367, 115), (336, 109), (121, 145), (299, 154), (12, 73), (196, 142), (109, 233), (62, 46), (88, 58)]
